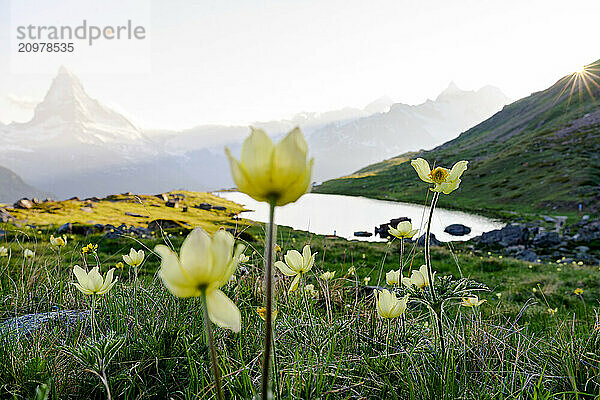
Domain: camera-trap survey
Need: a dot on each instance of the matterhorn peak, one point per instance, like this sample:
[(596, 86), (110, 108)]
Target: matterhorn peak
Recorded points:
[(68, 107)]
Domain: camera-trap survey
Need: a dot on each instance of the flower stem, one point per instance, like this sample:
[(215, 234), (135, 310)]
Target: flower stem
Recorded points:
[(438, 310), (266, 370), (211, 344)]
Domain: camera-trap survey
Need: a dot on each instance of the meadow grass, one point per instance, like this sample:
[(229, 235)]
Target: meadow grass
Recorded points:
[(332, 346)]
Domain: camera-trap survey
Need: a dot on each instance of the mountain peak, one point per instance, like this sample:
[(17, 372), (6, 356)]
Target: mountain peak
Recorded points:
[(67, 105)]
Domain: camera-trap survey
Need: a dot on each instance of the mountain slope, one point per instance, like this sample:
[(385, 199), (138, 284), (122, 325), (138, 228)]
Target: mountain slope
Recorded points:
[(12, 187), (539, 153), (341, 148)]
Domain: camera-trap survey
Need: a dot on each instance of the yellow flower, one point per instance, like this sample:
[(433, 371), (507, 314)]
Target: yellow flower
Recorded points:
[(403, 230), (351, 271), (310, 290), (393, 277), (134, 258), (277, 248), (243, 258), (366, 280), (273, 173), (552, 311), (389, 306), (205, 264), (327, 276), (444, 180), (471, 301), (296, 264), (28, 253), (119, 265), (3, 251), (58, 241), (92, 282), (90, 248), (578, 291), (262, 312), (418, 278)]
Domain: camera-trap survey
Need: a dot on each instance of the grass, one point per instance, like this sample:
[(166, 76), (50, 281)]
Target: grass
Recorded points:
[(114, 208), (334, 347)]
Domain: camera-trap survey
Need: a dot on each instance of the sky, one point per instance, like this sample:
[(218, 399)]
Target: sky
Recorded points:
[(239, 61)]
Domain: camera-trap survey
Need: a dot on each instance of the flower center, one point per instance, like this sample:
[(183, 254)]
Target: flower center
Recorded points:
[(439, 175)]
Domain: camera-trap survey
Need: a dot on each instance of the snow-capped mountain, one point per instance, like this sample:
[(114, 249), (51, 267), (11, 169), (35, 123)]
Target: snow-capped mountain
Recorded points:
[(74, 145), (67, 115), (400, 129)]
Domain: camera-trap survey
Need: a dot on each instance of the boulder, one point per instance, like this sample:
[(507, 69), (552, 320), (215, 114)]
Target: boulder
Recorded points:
[(135, 215), (457, 230), (432, 240), (5, 215), (28, 324), (219, 208), (203, 206), (163, 197), (23, 204), (65, 228), (158, 224), (527, 255), (172, 203), (510, 235), (382, 230), (546, 239)]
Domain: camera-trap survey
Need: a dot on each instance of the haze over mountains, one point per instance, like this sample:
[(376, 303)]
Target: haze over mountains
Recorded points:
[(539, 153), (75, 146)]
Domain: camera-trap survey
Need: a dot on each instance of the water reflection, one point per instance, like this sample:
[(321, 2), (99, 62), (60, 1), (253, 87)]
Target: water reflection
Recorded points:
[(329, 214)]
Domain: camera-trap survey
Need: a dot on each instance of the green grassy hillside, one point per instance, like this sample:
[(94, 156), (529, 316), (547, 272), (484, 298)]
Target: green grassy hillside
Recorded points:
[(539, 154)]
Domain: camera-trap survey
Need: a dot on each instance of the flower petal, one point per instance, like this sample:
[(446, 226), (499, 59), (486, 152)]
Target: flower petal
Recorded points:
[(449, 187), (295, 284), (173, 276), (422, 167), (289, 159), (294, 260), (281, 266), (457, 170), (81, 275), (256, 158), (222, 311), (195, 256), (222, 251)]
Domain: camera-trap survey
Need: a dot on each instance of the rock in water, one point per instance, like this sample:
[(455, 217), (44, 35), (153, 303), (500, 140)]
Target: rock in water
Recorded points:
[(457, 230)]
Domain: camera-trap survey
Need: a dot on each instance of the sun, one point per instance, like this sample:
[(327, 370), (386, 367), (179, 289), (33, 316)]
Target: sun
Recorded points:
[(580, 70)]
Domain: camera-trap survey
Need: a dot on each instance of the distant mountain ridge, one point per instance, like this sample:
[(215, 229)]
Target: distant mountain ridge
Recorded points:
[(74, 145), (12, 187), (539, 153)]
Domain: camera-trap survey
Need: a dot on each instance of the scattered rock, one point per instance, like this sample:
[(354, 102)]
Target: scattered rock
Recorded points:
[(28, 324), (135, 215), (184, 209), (87, 209), (158, 224), (5, 216), (457, 230), (75, 198), (65, 228), (163, 197), (203, 206), (582, 249), (23, 204), (219, 208), (510, 235), (172, 203), (432, 240), (546, 239), (527, 255)]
